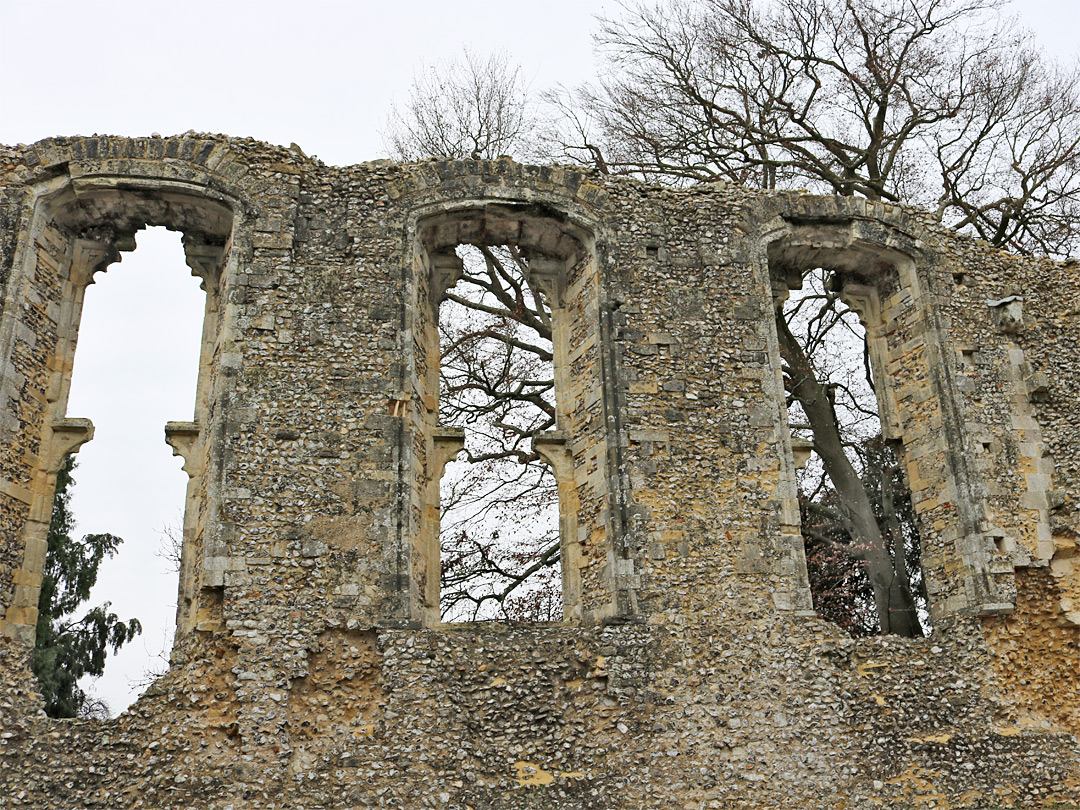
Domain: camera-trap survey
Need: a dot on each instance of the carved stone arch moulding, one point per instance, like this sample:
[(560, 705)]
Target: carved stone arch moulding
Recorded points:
[(455, 182)]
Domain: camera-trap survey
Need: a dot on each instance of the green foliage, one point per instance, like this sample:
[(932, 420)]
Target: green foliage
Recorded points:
[(68, 648)]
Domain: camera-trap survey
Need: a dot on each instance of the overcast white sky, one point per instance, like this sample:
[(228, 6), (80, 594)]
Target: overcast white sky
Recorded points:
[(321, 74)]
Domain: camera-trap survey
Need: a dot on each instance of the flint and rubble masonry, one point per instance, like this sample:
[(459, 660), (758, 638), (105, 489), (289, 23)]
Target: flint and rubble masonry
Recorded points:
[(310, 668)]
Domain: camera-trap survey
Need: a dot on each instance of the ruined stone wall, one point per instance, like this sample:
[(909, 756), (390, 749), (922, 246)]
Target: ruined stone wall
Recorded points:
[(309, 670)]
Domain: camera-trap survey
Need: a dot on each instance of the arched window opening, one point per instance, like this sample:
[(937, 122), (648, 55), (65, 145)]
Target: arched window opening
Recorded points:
[(136, 368), (505, 315), (499, 536), (858, 519)]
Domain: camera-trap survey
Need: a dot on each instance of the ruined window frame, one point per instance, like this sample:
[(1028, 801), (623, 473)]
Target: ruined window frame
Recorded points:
[(97, 219), (435, 234), (862, 266)]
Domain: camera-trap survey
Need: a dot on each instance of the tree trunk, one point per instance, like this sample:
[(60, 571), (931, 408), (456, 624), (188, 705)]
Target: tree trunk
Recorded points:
[(901, 601)]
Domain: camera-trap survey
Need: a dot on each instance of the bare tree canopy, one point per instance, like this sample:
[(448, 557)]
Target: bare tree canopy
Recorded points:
[(475, 107), (938, 103)]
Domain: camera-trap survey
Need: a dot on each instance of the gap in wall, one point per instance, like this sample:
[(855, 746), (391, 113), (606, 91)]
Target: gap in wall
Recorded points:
[(136, 365), (500, 545), (831, 334)]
